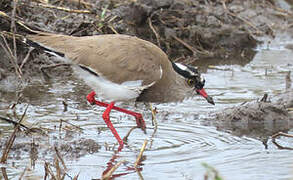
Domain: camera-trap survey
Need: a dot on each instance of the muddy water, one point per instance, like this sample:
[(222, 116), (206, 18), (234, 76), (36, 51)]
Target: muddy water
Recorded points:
[(183, 140)]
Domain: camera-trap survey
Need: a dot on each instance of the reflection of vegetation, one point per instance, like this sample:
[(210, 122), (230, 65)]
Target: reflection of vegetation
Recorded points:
[(211, 173)]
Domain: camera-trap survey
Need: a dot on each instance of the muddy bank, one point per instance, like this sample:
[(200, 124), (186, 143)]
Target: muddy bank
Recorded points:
[(181, 28), (38, 142), (185, 30), (258, 119)]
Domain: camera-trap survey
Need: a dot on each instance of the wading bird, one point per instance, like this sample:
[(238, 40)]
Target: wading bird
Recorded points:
[(123, 68)]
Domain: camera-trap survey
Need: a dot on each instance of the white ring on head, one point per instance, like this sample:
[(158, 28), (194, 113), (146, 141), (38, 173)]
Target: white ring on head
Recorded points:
[(185, 68)]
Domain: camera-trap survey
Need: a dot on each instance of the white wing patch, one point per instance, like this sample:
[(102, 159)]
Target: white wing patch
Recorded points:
[(132, 83)]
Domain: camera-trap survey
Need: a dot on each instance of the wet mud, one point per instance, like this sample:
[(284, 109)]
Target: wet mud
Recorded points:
[(40, 142), (185, 30), (258, 119), (190, 32)]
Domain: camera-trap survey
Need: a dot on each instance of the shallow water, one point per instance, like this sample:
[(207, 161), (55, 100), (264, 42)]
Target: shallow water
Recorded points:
[(183, 140)]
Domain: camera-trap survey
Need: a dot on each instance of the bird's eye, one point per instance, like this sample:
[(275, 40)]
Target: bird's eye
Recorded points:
[(190, 82)]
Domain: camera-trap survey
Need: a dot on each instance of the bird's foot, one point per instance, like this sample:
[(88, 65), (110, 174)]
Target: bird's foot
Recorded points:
[(140, 122), (91, 98)]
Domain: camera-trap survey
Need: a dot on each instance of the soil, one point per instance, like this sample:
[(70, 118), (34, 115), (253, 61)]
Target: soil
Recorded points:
[(188, 31), (259, 119), (39, 145), (185, 30)]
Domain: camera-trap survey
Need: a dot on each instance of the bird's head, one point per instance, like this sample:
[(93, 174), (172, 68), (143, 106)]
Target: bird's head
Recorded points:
[(193, 79)]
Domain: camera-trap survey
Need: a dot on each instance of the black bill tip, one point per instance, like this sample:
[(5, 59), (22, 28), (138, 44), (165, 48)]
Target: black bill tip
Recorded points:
[(210, 100)]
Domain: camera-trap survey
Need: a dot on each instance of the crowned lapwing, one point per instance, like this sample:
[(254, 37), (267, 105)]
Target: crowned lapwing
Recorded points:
[(123, 68)]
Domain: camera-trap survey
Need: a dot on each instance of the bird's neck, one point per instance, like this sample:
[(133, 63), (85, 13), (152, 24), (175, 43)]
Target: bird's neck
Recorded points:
[(170, 88)]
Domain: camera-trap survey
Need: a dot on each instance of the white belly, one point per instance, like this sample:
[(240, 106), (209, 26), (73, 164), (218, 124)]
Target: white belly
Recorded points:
[(108, 90)]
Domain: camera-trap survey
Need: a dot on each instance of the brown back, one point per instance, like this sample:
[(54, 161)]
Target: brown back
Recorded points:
[(119, 58)]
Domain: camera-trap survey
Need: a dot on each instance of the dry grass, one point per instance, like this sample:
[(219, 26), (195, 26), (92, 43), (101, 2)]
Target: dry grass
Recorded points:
[(284, 135), (12, 137)]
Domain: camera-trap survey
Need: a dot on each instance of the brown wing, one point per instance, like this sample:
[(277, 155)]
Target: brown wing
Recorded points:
[(118, 58)]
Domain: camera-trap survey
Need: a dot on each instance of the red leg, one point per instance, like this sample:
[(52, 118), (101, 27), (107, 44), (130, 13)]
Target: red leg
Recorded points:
[(106, 118), (91, 98), (139, 120)]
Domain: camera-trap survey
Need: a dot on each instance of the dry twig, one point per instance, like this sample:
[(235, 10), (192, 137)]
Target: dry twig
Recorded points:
[(127, 135), (283, 11), (192, 49), (281, 134), (139, 158), (13, 122), (13, 30), (154, 31), (26, 58), (65, 106), (154, 113), (154, 123), (242, 19), (75, 126), (23, 172), (4, 173), (11, 139), (75, 177), (9, 145), (22, 24), (112, 28), (288, 80), (61, 8), (109, 173), (140, 175), (10, 55), (185, 44), (82, 2), (48, 171), (60, 158)]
